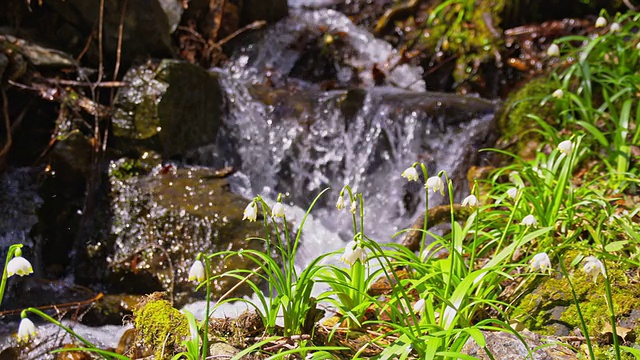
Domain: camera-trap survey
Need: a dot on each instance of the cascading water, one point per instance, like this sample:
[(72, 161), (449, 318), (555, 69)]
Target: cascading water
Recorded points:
[(300, 141)]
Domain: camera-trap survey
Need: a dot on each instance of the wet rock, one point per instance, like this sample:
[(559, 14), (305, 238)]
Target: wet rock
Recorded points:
[(146, 28), (161, 220), (171, 108), (507, 346)]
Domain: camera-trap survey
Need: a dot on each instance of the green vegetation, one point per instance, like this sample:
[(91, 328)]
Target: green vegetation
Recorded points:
[(565, 223)]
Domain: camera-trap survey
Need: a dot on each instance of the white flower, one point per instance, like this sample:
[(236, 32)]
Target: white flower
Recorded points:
[(419, 306), (601, 22), (278, 210), (513, 192), (529, 220), (470, 200), (541, 262), (565, 147), (251, 212), (352, 208), (593, 267), (20, 266), (435, 183), (410, 174), (558, 94), (615, 27), (353, 252), (340, 203), (196, 272), (26, 329), (553, 50)]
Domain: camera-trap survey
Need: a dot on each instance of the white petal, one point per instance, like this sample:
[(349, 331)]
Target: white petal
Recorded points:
[(601, 22), (615, 27), (558, 94), (566, 147), (419, 306), (529, 220), (278, 210), (20, 266), (512, 192), (435, 183), (340, 203), (196, 272), (250, 212), (410, 174), (553, 50), (470, 200), (26, 329)]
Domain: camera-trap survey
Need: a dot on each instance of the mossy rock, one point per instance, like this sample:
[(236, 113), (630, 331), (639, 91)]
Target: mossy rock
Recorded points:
[(168, 107), (550, 308), (514, 120), (160, 327)]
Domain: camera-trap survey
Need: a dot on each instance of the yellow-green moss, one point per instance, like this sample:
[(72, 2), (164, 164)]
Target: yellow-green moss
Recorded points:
[(161, 327), (553, 293)]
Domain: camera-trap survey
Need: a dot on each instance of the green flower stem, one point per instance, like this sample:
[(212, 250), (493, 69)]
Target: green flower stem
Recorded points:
[(583, 324), (425, 224), (3, 283), (616, 342), (205, 335)]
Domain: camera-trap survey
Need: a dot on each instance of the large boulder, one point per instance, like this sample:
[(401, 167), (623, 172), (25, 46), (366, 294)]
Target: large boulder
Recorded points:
[(170, 107)]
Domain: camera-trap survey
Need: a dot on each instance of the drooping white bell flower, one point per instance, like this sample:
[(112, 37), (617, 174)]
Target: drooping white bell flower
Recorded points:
[(593, 267), (435, 183), (26, 330), (19, 266), (553, 50), (470, 200), (352, 253), (353, 207), (566, 147), (278, 210), (615, 27), (411, 174), (251, 212), (340, 202), (601, 22), (541, 262), (529, 220), (419, 306), (512, 192), (558, 94), (196, 272)]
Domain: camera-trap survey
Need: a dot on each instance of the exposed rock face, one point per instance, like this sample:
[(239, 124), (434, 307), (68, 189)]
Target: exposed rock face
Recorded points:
[(506, 346), (162, 220), (171, 108)]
